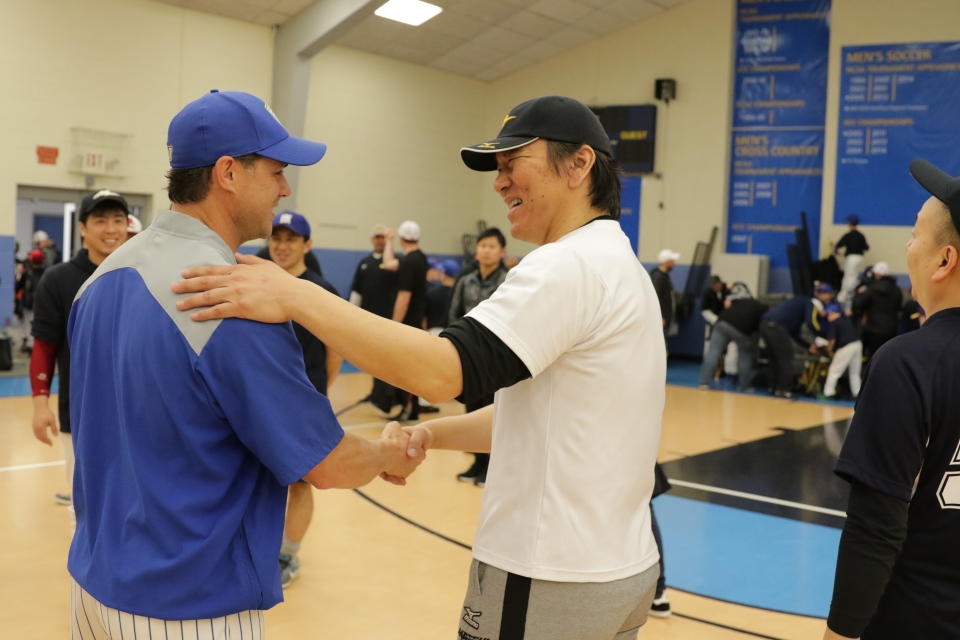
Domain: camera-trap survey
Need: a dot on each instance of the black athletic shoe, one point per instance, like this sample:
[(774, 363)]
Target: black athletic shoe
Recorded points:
[(471, 474), (660, 607), (481, 480)]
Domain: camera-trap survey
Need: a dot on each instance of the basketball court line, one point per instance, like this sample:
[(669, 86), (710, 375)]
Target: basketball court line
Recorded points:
[(758, 498)]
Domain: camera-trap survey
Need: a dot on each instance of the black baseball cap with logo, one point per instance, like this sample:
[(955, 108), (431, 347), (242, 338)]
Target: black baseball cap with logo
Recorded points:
[(100, 199), (550, 117), (940, 185)]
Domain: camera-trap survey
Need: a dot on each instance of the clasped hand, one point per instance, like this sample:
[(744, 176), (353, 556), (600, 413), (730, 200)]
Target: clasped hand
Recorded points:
[(411, 444)]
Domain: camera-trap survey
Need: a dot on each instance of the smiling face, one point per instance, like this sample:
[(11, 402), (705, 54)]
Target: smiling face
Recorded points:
[(534, 192), (259, 188), (288, 250), (104, 230)]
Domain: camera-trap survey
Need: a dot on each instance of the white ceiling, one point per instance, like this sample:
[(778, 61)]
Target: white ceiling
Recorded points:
[(484, 39), (265, 12)]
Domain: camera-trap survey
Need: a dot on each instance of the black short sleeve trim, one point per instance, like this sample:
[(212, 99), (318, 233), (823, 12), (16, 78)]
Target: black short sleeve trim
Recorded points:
[(486, 362)]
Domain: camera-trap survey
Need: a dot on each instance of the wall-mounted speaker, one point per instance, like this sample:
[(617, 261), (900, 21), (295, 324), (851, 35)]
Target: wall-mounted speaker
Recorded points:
[(665, 89)]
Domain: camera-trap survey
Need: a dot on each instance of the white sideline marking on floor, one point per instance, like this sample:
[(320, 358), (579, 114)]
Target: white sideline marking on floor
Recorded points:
[(753, 496), (35, 465)]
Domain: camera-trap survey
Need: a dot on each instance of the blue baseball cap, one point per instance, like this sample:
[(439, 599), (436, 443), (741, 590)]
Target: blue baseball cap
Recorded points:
[(293, 221), (823, 287), (450, 268), (233, 123)]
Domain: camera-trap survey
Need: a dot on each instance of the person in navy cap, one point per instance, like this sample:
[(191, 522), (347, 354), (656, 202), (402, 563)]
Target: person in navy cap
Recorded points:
[(192, 433), (898, 569), (289, 245)]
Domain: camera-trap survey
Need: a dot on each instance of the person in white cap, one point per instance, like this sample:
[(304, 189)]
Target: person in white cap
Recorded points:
[(878, 303), (410, 306), (660, 275), (134, 226)]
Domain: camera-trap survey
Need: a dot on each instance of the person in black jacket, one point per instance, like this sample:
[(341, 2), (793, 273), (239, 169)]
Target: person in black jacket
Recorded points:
[(660, 275), (878, 304), (103, 226)]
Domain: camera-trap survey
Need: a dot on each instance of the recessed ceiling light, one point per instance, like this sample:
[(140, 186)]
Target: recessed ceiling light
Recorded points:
[(412, 12)]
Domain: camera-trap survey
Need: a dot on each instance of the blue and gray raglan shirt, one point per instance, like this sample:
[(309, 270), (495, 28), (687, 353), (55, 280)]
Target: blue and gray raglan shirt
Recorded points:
[(187, 435)]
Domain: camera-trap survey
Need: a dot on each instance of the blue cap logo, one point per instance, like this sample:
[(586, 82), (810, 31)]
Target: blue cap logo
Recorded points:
[(233, 123)]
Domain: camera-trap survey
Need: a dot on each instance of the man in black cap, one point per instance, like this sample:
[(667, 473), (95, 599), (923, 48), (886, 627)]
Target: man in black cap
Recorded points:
[(898, 569), (103, 226), (571, 343)]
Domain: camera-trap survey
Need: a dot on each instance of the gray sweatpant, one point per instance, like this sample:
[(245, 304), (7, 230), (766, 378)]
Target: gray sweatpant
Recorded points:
[(504, 606)]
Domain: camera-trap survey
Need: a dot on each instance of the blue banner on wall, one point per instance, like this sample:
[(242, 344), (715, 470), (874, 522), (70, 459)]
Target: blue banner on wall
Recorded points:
[(630, 210), (897, 102), (779, 110)]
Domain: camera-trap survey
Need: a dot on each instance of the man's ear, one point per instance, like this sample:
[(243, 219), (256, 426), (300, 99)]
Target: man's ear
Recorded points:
[(949, 261), (579, 165), (225, 173)]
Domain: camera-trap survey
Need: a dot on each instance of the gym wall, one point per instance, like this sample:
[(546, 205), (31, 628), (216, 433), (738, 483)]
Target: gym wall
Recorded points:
[(393, 130)]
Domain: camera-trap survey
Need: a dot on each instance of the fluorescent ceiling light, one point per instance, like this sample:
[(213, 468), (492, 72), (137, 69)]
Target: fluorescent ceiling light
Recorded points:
[(412, 12)]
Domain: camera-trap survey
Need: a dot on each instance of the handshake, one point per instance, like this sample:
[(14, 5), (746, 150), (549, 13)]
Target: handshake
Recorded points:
[(405, 449)]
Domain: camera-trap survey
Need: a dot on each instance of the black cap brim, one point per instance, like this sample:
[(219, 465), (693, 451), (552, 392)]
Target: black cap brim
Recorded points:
[(483, 156), (940, 184)]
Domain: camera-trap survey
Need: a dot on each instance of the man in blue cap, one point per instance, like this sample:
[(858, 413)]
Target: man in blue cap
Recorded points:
[(191, 434)]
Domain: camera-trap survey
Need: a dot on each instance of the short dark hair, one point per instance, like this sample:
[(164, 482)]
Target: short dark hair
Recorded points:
[(604, 176), (192, 185), (493, 232)]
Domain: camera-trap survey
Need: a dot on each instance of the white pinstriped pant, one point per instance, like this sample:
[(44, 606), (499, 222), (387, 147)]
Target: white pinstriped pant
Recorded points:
[(91, 620)]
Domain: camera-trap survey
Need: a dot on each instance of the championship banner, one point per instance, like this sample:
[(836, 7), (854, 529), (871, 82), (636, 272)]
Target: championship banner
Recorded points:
[(897, 102), (780, 90)]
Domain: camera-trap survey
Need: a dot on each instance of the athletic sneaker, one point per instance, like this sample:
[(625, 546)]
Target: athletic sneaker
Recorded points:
[(289, 569), (660, 607), (481, 480), (62, 498)]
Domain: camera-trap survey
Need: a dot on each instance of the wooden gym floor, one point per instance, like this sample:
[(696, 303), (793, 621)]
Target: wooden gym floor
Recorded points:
[(390, 562)]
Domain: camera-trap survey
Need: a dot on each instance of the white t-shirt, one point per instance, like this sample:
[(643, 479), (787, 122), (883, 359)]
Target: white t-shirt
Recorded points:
[(574, 447)]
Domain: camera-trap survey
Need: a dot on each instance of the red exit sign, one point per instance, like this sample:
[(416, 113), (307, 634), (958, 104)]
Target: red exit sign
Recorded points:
[(47, 155)]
